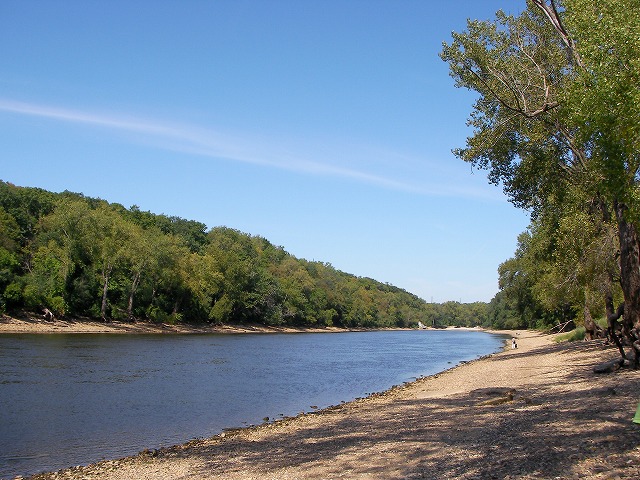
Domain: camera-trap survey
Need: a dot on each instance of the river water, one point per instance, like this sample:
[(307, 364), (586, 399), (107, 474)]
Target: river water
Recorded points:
[(75, 399)]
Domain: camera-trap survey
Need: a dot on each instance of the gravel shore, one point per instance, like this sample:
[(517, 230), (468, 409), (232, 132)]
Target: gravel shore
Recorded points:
[(537, 412)]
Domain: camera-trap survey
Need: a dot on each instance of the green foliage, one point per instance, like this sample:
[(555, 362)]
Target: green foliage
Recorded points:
[(8, 266), (575, 335), (157, 315), (556, 125), (86, 257), (12, 296), (57, 305), (25, 206), (32, 298), (605, 99), (518, 66), (191, 232)]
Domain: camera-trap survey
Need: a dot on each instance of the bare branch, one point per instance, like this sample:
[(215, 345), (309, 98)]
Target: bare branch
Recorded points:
[(551, 12), (517, 108)]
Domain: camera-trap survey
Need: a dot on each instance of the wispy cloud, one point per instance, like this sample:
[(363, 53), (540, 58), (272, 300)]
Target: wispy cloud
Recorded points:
[(208, 142)]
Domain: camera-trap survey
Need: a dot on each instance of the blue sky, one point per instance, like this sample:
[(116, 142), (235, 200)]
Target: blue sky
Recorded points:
[(324, 126)]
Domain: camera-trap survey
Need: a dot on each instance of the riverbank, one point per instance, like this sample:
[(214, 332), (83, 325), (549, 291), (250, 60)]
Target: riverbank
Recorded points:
[(32, 324), (537, 412)]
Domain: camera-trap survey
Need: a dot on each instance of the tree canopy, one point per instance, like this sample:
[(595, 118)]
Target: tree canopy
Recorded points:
[(556, 124), (84, 257)]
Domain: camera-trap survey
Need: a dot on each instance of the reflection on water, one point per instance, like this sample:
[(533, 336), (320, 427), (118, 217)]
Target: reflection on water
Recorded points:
[(75, 399)]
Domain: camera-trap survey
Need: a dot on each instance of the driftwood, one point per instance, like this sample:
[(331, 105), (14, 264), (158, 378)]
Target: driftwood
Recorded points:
[(498, 395), (610, 366), (615, 364), (563, 327)]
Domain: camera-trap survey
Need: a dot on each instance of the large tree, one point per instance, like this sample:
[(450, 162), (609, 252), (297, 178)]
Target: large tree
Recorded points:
[(605, 101), (557, 111)]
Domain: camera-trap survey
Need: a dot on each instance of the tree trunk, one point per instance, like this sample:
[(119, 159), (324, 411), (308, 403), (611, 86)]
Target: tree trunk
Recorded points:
[(612, 319), (629, 277), (593, 330), (134, 286), (106, 273), (103, 307)]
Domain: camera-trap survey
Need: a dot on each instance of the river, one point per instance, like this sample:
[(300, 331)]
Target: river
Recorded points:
[(72, 399)]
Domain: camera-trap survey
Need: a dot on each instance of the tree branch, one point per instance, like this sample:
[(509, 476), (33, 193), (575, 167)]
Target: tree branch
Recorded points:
[(551, 12)]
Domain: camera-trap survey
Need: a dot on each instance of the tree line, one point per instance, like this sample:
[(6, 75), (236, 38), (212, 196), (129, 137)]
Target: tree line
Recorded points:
[(83, 257), (556, 125)]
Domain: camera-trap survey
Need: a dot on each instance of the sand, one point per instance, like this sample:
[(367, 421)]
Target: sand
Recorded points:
[(537, 412), (32, 324)]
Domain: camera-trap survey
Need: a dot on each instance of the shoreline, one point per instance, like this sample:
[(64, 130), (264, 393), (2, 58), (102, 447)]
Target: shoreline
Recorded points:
[(35, 325), (536, 412)]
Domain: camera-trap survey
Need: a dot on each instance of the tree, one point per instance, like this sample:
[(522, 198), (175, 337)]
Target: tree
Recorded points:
[(86, 257), (149, 251), (605, 101), (61, 255), (9, 258), (76, 241), (603, 38), (192, 232), (578, 265), (112, 237), (540, 129), (517, 65), (26, 206), (139, 255), (516, 281)]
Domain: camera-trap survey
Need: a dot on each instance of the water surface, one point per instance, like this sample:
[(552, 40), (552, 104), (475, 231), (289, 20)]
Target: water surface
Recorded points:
[(75, 399)]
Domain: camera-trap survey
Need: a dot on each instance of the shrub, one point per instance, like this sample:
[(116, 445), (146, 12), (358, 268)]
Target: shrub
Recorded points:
[(157, 315), (57, 305), (32, 297), (13, 294), (572, 336)]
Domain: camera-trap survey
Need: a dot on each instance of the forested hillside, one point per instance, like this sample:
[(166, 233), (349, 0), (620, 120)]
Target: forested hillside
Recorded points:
[(84, 257)]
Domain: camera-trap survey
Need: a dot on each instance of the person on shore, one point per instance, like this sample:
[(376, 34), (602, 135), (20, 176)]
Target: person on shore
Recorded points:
[(514, 344), (48, 315)]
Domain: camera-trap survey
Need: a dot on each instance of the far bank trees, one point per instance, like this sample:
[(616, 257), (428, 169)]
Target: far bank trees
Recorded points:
[(81, 257)]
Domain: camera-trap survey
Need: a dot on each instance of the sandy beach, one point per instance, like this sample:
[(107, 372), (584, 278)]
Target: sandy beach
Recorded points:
[(537, 412), (33, 324)]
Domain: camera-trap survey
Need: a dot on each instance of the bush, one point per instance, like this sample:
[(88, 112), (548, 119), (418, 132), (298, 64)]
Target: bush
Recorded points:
[(57, 305), (32, 297), (572, 336), (602, 323), (157, 315), (13, 294)]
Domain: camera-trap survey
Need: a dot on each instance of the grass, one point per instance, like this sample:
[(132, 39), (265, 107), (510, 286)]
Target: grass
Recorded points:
[(572, 336)]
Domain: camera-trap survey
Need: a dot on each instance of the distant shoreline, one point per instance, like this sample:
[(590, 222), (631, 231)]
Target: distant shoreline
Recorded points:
[(32, 324)]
